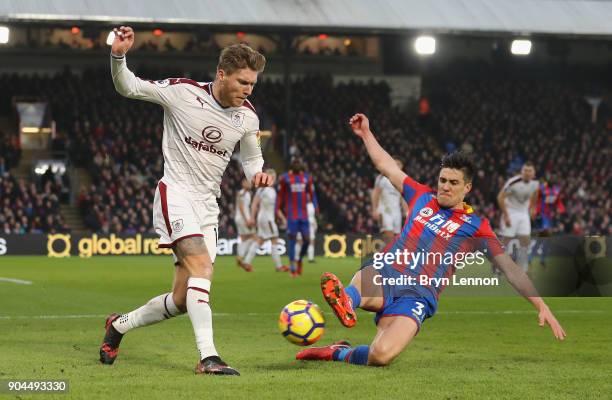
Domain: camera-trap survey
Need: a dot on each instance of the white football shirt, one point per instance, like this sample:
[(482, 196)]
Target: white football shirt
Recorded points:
[(518, 192), (267, 201), (199, 135), (243, 197), (390, 200)]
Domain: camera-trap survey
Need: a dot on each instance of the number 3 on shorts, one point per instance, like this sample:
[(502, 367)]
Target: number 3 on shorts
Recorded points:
[(418, 310)]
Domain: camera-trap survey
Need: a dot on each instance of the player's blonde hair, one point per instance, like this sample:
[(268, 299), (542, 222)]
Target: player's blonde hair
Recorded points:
[(271, 172), (240, 56)]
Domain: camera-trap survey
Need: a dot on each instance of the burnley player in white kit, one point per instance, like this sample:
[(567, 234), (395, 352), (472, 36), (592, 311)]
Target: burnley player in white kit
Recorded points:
[(202, 124), (262, 209), (242, 218), (517, 201), (388, 207)]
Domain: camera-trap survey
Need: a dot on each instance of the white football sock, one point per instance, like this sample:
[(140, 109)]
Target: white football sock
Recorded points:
[(311, 250), (298, 248), (157, 309), (276, 256), (251, 252), (200, 315), (242, 246), (522, 259)]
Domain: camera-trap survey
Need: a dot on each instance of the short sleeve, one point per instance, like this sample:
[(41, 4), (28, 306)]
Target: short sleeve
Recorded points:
[(411, 189), (489, 243)]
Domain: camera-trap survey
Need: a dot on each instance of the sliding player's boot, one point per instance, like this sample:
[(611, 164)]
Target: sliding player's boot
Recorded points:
[(112, 339), (336, 297), (214, 365), (324, 353)]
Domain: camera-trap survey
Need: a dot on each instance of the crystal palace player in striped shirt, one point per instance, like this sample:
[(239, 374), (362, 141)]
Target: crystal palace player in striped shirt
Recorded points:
[(295, 190), (548, 207), (439, 221)]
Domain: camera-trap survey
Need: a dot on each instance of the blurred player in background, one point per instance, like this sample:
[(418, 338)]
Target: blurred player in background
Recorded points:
[(312, 227), (548, 206), (262, 209), (517, 201), (295, 190), (203, 122), (438, 220), (388, 207), (242, 218)]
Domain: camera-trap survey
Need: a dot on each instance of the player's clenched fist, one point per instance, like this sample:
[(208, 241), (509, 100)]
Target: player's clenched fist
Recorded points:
[(360, 124), (124, 39), (262, 179)]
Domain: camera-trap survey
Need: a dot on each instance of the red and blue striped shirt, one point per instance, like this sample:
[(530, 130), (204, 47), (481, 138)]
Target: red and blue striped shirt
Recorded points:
[(294, 193), (549, 197), (429, 228)]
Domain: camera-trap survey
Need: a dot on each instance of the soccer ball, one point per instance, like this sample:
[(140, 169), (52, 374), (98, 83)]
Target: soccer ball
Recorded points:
[(301, 322)]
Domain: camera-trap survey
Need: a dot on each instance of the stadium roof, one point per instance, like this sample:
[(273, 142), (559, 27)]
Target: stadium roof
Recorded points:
[(574, 17)]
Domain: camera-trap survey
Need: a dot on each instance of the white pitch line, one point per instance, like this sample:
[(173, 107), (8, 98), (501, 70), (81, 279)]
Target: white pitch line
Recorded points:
[(501, 312), (17, 281)]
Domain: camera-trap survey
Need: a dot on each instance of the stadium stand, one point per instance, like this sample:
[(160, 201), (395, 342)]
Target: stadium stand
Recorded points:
[(502, 122), (28, 209)]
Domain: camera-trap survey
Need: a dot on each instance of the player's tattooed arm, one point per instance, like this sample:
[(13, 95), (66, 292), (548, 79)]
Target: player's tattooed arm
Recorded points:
[(382, 160)]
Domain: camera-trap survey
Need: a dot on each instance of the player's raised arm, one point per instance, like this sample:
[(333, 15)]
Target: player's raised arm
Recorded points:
[(126, 83), (383, 162)]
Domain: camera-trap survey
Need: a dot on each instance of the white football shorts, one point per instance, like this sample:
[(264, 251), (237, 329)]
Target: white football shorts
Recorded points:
[(391, 222), (520, 224), (242, 227), (267, 228), (176, 216)]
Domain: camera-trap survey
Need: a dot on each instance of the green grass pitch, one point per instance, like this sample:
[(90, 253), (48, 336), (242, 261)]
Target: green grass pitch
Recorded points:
[(474, 348)]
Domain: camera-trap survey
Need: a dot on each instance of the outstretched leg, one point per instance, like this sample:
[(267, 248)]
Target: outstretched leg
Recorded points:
[(157, 309), (393, 335)]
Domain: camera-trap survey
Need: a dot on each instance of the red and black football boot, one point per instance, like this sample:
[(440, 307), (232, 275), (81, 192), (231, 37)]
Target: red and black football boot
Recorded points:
[(336, 297), (324, 353), (112, 339), (213, 365)]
